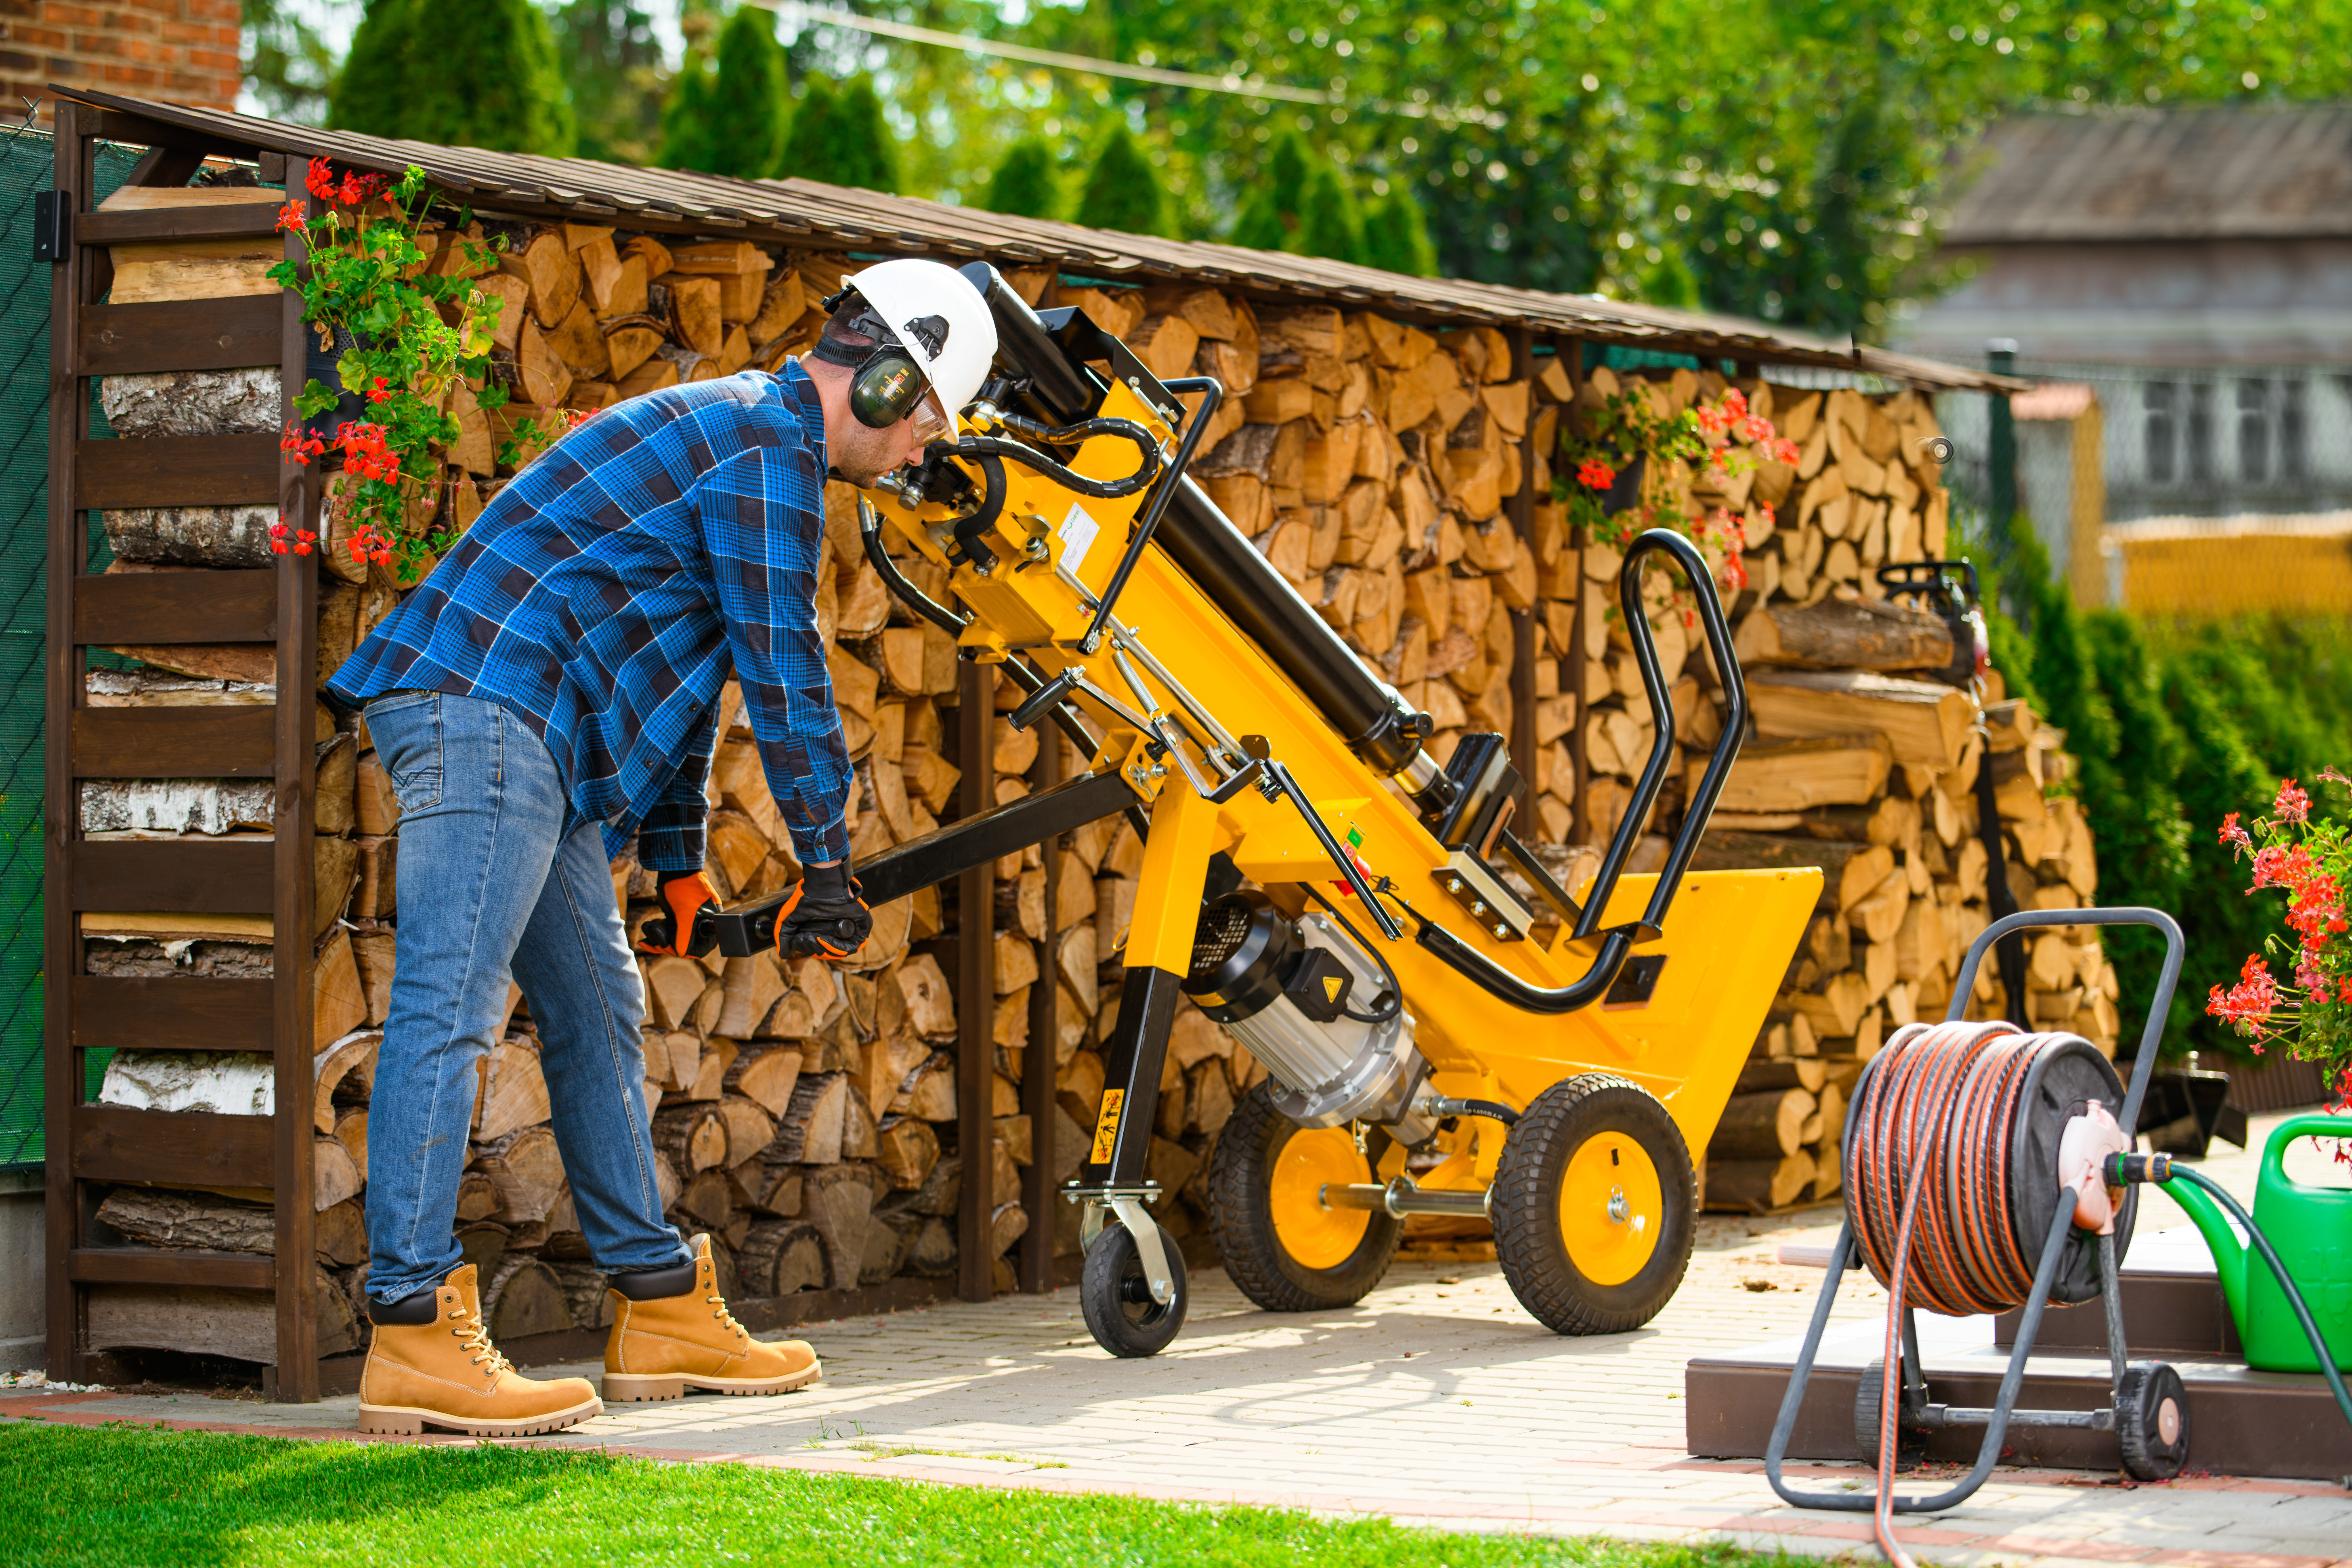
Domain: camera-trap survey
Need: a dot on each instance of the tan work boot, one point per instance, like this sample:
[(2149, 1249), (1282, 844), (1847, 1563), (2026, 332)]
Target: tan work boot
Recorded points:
[(671, 1331), (440, 1370)]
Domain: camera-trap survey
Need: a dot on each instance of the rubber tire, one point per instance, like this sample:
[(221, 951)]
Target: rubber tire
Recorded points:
[(1910, 1441), (1524, 1205), (1110, 1287), (1241, 1220), (2139, 1404)]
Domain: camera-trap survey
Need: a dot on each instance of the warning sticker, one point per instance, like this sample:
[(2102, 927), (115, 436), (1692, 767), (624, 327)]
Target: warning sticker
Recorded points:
[(1106, 1125), (1077, 535), (1331, 983)]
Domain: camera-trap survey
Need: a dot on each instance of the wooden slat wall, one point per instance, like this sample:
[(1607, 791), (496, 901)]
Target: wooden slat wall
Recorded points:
[(101, 1143)]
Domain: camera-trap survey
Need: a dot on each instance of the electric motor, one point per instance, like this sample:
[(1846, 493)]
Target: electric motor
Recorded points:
[(1312, 1005)]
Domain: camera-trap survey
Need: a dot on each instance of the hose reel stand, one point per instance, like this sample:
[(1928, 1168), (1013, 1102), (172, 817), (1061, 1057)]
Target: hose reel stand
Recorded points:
[(1976, 1166)]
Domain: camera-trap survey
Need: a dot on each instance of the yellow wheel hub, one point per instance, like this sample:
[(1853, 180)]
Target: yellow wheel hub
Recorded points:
[(1315, 1236), (1611, 1208)]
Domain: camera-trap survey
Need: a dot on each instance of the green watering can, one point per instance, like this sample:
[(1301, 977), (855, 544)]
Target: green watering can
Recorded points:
[(2311, 1229)]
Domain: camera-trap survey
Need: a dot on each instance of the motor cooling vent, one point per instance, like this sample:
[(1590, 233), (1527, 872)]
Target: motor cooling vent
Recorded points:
[(1218, 936)]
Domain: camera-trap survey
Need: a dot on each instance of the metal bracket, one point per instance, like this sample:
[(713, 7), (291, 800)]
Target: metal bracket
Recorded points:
[(52, 226), (1472, 884), (1125, 1204)]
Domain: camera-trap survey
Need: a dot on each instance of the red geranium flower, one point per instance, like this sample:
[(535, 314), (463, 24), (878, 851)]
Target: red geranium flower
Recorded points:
[(1594, 474)]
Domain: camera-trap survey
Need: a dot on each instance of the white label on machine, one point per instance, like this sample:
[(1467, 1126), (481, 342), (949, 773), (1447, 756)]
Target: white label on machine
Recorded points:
[(1078, 536)]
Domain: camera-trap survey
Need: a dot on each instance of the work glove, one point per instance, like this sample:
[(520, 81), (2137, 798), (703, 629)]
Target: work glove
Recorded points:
[(683, 928), (824, 917)]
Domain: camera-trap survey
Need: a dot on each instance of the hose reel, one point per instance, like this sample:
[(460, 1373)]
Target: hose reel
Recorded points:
[(1977, 1159), (1984, 1173), (1990, 1200)]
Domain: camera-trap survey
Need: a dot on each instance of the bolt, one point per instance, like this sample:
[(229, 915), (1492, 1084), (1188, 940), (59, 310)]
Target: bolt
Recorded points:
[(1618, 1208), (1477, 907), (1453, 884), (1502, 930)]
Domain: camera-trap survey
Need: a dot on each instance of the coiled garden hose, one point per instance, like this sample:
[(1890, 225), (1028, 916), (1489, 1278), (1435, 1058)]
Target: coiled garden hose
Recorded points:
[(1932, 1209)]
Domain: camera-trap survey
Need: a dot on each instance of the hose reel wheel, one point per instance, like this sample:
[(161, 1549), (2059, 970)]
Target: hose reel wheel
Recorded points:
[(1910, 1436), (1594, 1206), (2152, 1421)]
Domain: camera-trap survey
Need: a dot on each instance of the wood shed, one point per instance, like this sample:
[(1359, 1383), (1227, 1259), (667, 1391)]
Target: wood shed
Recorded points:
[(221, 851)]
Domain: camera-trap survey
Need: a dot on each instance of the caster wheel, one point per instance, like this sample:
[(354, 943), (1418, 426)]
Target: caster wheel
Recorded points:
[(1910, 1440), (1112, 1292), (2152, 1421), (1284, 1250), (1594, 1206)]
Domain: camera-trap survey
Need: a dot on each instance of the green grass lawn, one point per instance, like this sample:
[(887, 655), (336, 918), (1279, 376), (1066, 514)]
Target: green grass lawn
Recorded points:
[(132, 1495)]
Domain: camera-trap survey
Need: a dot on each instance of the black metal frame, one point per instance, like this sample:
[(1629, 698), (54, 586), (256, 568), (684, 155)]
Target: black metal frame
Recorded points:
[(945, 853), (1618, 941)]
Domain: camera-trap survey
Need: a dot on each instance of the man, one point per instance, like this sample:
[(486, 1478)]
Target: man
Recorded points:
[(551, 690)]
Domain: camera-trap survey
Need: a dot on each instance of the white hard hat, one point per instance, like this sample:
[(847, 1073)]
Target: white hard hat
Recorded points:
[(940, 320)]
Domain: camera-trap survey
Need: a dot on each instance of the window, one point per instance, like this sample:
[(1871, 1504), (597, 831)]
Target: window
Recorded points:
[(2163, 432), (2199, 425), (2293, 430), (2255, 431)]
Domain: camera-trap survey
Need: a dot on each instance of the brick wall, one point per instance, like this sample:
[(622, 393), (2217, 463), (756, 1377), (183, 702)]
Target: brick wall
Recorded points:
[(181, 51)]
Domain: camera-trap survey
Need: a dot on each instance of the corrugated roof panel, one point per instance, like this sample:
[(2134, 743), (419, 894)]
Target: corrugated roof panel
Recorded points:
[(807, 213), (2214, 172)]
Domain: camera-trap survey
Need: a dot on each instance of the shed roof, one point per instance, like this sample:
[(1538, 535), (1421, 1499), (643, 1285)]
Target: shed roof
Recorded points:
[(2214, 172), (811, 214)]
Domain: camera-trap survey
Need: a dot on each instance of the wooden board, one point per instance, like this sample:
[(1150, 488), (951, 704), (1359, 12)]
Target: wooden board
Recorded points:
[(176, 607)]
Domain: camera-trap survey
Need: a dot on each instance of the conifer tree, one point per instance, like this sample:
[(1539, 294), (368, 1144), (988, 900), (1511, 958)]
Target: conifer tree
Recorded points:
[(612, 60), (477, 73), (1028, 184), (743, 112), (1270, 218), (1329, 225), (1396, 236), (371, 95), (686, 118), (840, 136), (1123, 189)]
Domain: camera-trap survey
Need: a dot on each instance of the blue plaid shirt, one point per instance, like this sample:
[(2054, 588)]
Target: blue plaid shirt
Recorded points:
[(607, 593)]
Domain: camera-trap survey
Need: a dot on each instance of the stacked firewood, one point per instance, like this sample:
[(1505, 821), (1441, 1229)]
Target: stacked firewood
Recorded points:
[(804, 1114), (1874, 778)]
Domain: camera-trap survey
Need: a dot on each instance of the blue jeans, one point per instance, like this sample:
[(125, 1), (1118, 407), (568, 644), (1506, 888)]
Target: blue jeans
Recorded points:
[(497, 878)]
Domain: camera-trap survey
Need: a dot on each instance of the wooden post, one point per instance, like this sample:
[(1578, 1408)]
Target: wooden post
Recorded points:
[(69, 549), (290, 958), (976, 993), (1572, 664), (1039, 1061), (1523, 621)]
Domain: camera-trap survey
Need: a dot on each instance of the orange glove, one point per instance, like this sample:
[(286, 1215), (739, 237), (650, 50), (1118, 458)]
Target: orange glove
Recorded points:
[(824, 916), (683, 930)]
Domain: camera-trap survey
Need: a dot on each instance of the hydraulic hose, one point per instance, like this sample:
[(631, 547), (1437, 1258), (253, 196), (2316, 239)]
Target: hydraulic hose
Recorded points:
[(984, 447)]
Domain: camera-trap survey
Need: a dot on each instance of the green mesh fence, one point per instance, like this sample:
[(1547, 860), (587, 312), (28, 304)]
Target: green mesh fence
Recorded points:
[(25, 167)]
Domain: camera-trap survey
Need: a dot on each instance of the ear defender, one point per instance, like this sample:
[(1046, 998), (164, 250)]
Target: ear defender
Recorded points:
[(886, 388)]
